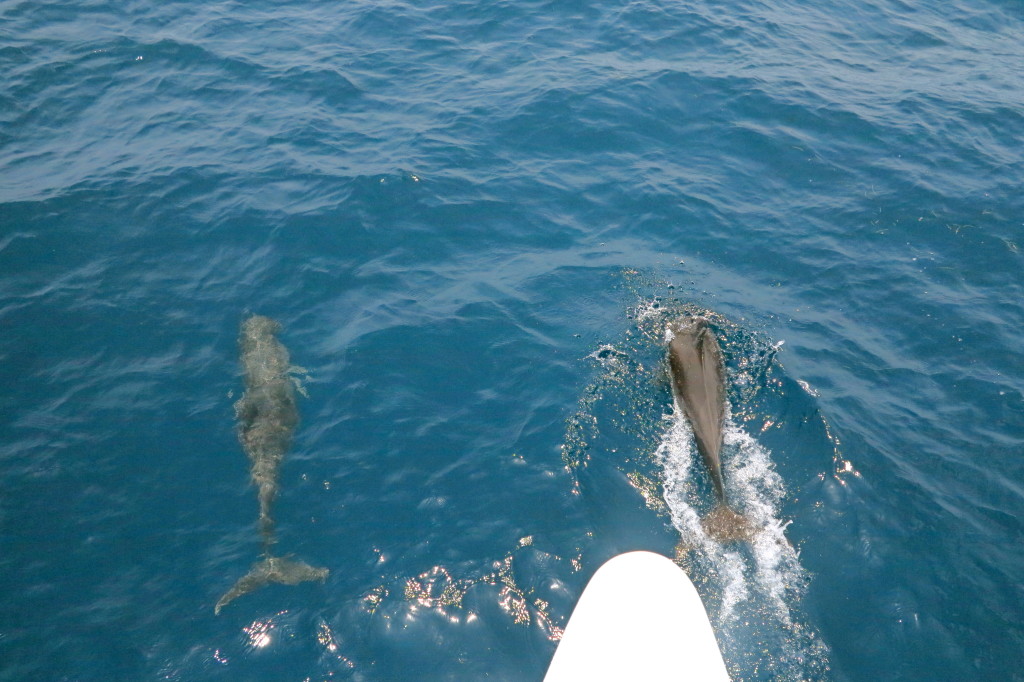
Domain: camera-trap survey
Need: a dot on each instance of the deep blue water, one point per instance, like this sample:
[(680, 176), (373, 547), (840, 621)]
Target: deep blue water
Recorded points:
[(474, 221)]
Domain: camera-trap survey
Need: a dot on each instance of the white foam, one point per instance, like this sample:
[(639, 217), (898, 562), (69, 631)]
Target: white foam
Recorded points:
[(735, 592), (646, 310), (675, 453), (607, 355), (763, 584)]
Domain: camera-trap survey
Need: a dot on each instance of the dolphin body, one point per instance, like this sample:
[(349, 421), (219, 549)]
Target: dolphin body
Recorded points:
[(267, 417), (698, 383)]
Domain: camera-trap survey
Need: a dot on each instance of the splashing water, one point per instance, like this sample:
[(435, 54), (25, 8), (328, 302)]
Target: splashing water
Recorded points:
[(751, 589)]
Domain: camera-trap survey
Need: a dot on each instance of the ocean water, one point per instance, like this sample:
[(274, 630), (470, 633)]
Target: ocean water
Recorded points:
[(474, 221)]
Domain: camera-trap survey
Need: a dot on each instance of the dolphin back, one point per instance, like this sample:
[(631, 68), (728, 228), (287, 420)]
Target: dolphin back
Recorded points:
[(698, 382)]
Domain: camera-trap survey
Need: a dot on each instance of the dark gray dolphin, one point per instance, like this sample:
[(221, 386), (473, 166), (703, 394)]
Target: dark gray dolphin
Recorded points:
[(698, 383), (267, 417)]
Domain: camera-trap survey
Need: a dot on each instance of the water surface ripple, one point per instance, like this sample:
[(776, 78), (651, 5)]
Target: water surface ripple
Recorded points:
[(473, 221)]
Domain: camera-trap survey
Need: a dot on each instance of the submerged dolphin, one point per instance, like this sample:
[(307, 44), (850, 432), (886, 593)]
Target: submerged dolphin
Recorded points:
[(698, 383), (267, 417)]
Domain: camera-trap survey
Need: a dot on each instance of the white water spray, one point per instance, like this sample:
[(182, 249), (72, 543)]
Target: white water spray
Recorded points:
[(760, 582)]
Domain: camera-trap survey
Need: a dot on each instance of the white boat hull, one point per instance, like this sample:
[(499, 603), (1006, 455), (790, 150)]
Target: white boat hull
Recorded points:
[(639, 618)]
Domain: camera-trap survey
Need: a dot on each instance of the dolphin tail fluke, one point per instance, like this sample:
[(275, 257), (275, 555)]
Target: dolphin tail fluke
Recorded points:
[(725, 525), (271, 570)]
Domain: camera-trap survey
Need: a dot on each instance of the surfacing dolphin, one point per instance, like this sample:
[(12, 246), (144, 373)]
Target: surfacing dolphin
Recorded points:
[(267, 417), (698, 383)]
